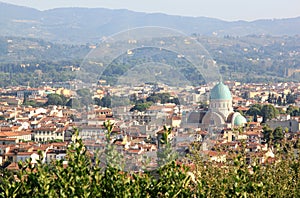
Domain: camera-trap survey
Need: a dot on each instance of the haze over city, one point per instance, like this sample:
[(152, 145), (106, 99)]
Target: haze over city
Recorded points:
[(230, 10)]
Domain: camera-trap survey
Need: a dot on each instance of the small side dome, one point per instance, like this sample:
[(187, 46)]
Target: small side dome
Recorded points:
[(239, 120), (220, 92)]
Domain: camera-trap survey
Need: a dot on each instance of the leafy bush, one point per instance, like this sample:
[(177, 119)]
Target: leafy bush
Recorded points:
[(199, 178)]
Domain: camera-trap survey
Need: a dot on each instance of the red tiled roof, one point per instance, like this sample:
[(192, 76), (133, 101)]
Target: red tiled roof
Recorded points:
[(13, 166)]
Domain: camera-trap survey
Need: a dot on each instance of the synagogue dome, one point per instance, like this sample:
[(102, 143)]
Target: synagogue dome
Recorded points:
[(220, 92), (239, 120)]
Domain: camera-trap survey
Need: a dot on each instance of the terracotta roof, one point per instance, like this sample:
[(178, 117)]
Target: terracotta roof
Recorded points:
[(13, 166), (176, 118), (214, 153), (24, 153), (44, 129), (8, 139), (134, 151), (242, 108), (12, 134)]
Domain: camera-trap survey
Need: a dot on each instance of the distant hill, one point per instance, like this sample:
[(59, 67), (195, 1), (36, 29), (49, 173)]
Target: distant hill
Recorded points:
[(81, 25)]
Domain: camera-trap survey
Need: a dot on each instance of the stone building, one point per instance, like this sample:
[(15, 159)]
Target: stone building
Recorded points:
[(220, 112)]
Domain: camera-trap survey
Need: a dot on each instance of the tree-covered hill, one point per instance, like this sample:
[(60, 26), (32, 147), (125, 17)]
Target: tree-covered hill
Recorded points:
[(248, 59)]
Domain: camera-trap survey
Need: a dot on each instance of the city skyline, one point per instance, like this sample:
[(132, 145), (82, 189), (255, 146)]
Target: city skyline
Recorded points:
[(230, 10)]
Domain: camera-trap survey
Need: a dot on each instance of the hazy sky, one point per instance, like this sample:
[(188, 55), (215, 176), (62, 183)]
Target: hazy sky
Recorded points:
[(222, 9)]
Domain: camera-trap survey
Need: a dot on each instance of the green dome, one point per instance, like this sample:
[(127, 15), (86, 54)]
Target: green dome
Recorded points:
[(220, 92), (239, 120)]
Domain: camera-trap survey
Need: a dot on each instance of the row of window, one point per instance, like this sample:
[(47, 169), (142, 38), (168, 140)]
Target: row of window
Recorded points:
[(43, 132), (47, 133), (215, 105), (91, 131), (42, 139)]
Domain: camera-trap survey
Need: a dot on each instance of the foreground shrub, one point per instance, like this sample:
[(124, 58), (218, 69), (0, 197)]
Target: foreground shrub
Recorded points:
[(84, 178)]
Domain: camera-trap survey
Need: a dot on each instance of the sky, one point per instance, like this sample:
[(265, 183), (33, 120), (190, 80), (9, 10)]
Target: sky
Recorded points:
[(230, 10)]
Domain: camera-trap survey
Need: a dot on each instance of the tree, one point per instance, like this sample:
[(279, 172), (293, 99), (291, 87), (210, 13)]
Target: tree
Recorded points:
[(293, 110), (83, 92), (104, 102), (165, 154), (32, 103), (98, 101), (141, 106), (278, 134), (290, 98), (73, 103), (54, 99), (113, 158), (83, 177), (85, 96), (273, 136), (163, 98), (269, 98), (153, 98), (279, 101), (254, 111), (268, 112)]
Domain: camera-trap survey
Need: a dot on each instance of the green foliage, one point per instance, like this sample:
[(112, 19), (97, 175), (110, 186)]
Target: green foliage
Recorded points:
[(83, 92), (48, 71), (141, 106), (104, 101), (273, 136), (50, 62), (165, 153), (81, 177), (124, 63), (84, 96), (32, 103), (243, 178), (56, 99), (73, 103), (266, 111), (254, 110), (162, 98), (290, 98), (112, 157), (293, 110), (55, 180)]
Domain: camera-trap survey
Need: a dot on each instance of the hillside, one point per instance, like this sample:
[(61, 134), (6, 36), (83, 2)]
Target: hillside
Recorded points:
[(247, 59), (81, 25)]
